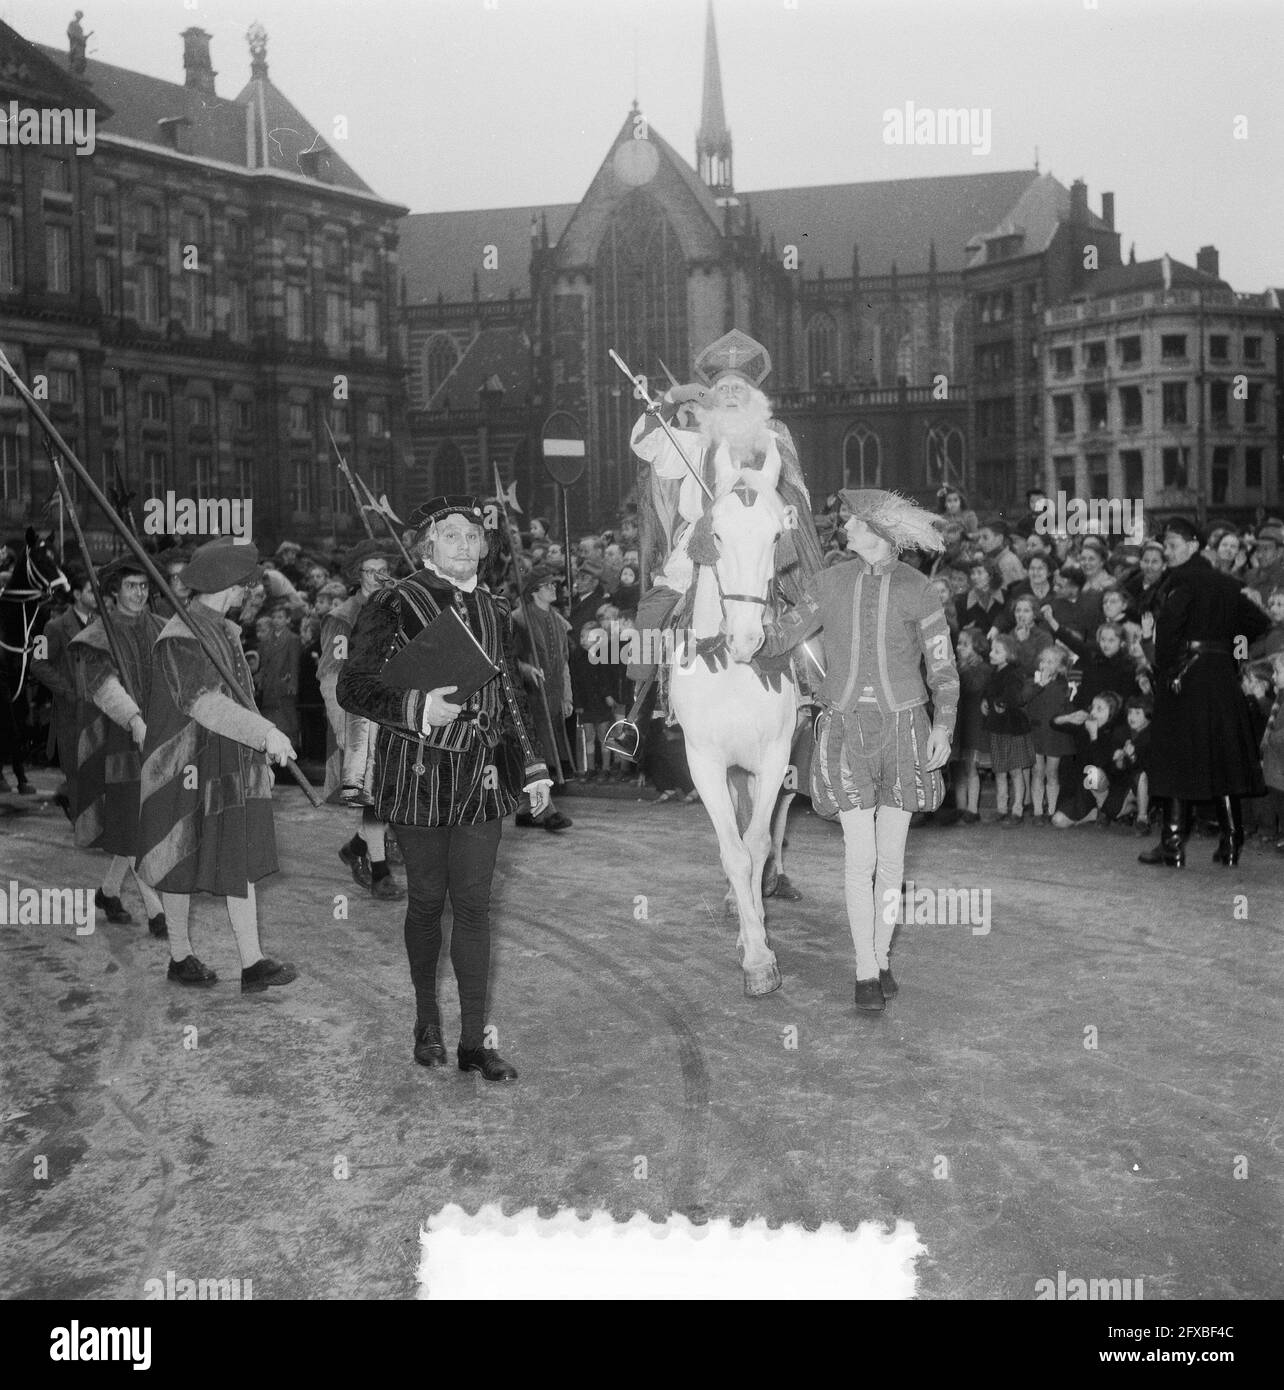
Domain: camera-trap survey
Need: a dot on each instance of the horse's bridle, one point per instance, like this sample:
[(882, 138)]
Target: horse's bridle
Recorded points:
[(725, 598), (34, 598)]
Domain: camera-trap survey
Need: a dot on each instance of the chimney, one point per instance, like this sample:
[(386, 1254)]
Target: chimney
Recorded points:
[(1108, 210), (196, 60), (1207, 260), (1078, 203)]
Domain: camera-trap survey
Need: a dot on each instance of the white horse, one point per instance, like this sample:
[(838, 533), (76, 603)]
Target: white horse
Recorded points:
[(729, 717)]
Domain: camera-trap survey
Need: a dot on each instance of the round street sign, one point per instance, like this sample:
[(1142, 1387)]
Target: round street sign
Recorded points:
[(563, 443)]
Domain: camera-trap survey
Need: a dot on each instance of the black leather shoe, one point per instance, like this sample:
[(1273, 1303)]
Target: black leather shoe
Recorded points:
[(113, 907), (358, 863), (1171, 849), (1230, 821), (265, 972), (158, 927), (430, 1051), (887, 983), (555, 820), (190, 971), (491, 1065), (869, 997)]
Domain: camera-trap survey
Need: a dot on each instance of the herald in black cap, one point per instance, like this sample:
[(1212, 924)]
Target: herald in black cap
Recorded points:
[(455, 504)]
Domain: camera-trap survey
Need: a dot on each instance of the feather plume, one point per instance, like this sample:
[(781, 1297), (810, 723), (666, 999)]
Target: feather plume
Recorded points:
[(905, 524)]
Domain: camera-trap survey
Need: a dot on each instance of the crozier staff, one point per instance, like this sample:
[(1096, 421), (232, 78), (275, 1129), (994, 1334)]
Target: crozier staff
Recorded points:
[(877, 757), (445, 774)]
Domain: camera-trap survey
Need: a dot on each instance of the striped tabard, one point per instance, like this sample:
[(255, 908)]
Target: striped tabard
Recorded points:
[(458, 774)]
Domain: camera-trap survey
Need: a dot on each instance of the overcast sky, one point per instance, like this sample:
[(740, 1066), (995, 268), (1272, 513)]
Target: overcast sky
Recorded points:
[(477, 103)]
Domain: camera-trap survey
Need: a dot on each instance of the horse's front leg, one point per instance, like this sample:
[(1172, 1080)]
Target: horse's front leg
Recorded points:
[(738, 862)]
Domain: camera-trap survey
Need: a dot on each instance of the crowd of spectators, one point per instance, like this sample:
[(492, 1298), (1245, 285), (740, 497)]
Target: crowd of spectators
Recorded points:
[(1053, 637)]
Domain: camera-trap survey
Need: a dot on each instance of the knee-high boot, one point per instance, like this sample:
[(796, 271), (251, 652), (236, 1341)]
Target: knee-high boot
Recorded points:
[(1171, 849), (1230, 820)]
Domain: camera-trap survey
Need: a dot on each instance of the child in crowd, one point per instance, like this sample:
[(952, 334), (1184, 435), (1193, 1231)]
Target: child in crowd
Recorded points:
[(982, 606), (1132, 765), (1050, 698), (1273, 754), (1008, 728), (1029, 637), (946, 595), (971, 652), (593, 684), (1272, 641), (1106, 666), (1096, 739)]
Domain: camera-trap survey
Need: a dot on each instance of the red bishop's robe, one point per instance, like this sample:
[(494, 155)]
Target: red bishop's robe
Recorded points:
[(206, 814)]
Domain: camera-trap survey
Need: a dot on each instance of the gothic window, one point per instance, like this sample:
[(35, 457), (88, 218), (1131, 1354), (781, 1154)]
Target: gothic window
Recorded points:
[(862, 458), (439, 362), (449, 471), (640, 310), (943, 456), (822, 348), (905, 360)]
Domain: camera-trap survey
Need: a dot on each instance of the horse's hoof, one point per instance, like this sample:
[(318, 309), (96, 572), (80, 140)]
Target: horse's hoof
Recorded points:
[(785, 890), (764, 981), (770, 881)]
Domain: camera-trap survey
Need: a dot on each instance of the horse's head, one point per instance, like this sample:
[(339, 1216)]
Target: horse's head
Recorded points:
[(43, 569), (746, 522)]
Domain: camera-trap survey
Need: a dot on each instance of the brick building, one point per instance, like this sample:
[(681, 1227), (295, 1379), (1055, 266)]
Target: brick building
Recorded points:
[(1162, 385), (191, 292)]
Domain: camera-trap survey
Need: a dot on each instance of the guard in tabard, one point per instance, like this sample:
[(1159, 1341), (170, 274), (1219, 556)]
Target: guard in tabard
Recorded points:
[(445, 775)]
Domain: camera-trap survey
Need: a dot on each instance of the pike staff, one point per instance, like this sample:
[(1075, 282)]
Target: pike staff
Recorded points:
[(131, 541), (514, 549), (352, 487), (109, 628)]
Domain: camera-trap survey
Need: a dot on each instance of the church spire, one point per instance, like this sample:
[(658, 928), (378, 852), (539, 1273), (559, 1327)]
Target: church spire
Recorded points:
[(713, 140)]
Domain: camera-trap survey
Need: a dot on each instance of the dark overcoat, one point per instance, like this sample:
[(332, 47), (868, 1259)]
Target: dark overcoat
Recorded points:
[(1202, 743)]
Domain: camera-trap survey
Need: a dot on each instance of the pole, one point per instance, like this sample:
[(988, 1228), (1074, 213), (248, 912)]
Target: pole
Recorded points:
[(514, 546), (653, 408), (109, 629), (131, 541), (352, 487), (566, 533), (374, 506)]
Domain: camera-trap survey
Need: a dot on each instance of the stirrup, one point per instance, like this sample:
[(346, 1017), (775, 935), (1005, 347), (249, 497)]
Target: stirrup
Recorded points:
[(626, 743)]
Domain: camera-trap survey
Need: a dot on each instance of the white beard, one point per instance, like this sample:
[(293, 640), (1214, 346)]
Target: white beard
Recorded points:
[(744, 432)]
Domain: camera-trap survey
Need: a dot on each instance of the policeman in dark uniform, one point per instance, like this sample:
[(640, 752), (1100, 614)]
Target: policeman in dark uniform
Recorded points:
[(446, 774), (1202, 744)]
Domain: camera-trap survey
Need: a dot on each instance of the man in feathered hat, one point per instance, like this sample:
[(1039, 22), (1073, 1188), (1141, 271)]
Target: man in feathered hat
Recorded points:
[(211, 832), (445, 774), (723, 424), (111, 730), (367, 566), (878, 757)]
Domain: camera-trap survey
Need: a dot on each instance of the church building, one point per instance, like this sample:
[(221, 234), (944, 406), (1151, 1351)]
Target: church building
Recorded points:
[(902, 317)]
